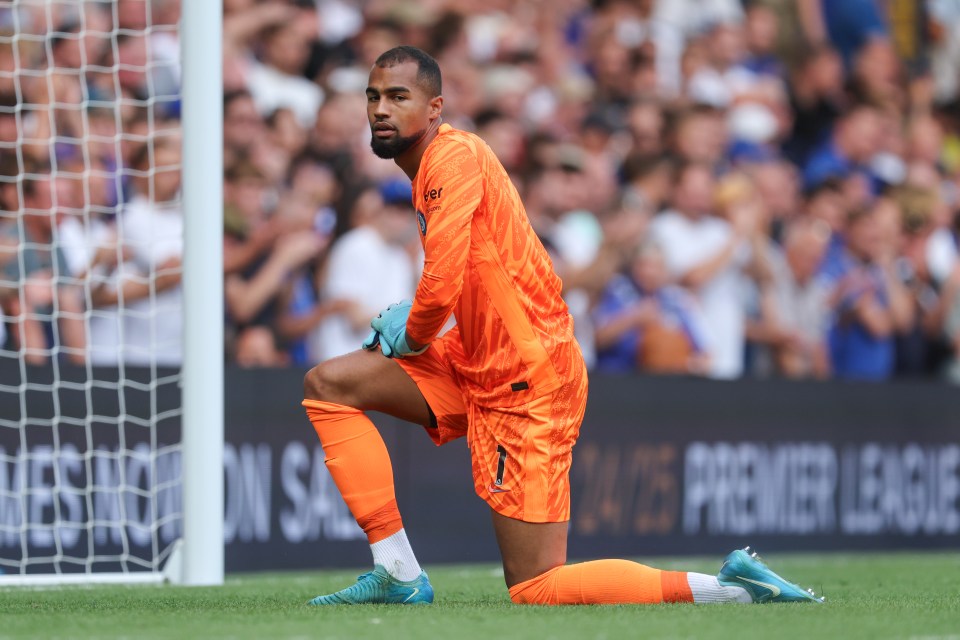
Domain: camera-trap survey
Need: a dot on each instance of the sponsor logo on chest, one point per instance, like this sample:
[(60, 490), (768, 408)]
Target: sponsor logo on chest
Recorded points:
[(433, 194)]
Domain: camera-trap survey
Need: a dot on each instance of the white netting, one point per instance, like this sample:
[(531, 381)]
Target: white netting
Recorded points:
[(90, 248)]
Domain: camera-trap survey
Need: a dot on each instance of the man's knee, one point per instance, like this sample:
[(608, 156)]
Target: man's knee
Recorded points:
[(322, 383), (541, 589)]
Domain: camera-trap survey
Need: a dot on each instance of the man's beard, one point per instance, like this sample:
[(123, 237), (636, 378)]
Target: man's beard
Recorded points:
[(393, 147)]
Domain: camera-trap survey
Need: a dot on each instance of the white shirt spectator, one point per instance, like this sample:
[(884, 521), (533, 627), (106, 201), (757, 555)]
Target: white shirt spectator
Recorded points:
[(104, 324), (273, 89), (668, 42), (687, 243), (941, 254), (369, 270), (153, 327), (577, 237), (338, 20), (693, 17), (801, 308), (720, 88)]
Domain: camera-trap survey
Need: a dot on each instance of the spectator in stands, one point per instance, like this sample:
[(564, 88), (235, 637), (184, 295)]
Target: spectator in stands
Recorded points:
[(727, 78), (817, 99), (318, 185), (711, 255), (761, 33), (257, 293), (647, 181), (871, 303), (826, 203), (372, 266), (248, 201), (778, 185), (846, 155), (951, 326), (35, 278), (643, 323), (87, 235), (505, 136), (920, 348), (877, 76), (9, 203), (9, 131), (276, 80), (699, 134), (645, 121), (848, 25), (693, 17), (637, 27), (789, 330), (148, 286), (945, 55), (563, 210), (242, 125), (286, 132)]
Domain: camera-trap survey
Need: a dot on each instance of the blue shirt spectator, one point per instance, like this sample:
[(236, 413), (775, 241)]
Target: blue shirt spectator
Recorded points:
[(850, 23), (846, 154), (855, 352), (643, 323), (872, 305), (826, 162)]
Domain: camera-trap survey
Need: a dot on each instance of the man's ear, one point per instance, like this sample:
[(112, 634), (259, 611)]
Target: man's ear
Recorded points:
[(436, 107)]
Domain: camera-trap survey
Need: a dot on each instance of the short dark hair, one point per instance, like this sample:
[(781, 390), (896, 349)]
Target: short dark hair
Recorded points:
[(428, 71), (685, 165), (34, 170), (832, 185), (229, 97), (638, 166)]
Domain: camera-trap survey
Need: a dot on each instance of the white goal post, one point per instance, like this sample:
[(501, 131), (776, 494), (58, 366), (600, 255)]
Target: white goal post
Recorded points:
[(202, 35), (111, 453)]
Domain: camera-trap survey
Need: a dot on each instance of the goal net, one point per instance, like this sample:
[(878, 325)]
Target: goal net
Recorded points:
[(91, 290)]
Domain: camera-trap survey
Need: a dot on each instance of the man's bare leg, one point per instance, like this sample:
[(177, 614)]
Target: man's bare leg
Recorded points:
[(336, 393), (367, 381), (529, 549)]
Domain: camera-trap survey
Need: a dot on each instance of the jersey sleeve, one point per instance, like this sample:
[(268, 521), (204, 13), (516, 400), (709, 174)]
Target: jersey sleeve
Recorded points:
[(451, 194)]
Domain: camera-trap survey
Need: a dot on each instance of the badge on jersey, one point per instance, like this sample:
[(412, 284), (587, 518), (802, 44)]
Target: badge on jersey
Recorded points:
[(422, 221)]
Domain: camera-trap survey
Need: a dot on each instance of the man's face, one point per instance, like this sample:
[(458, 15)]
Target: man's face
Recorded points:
[(398, 108), (694, 194), (650, 271), (38, 204), (863, 138), (805, 248), (8, 127), (288, 51), (242, 124), (864, 237)]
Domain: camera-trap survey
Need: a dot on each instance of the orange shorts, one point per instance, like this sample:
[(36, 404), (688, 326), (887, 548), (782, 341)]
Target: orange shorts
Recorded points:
[(520, 455)]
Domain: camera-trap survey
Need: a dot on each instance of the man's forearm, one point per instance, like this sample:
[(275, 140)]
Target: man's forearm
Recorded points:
[(413, 344)]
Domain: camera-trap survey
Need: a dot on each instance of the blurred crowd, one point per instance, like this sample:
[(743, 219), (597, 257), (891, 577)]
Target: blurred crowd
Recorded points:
[(727, 188)]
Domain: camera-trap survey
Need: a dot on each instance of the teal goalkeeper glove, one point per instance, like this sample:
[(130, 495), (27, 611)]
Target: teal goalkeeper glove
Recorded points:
[(373, 339), (391, 329)]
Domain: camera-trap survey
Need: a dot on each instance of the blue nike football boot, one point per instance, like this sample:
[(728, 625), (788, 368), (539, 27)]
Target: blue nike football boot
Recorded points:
[(743, 568), (379, 587)]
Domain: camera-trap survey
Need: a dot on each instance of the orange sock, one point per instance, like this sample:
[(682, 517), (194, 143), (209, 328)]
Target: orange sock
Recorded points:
[(360, 466), (603, 582)]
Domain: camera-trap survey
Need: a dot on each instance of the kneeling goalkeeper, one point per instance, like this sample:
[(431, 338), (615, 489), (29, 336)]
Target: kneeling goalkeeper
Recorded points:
[(509, 377)]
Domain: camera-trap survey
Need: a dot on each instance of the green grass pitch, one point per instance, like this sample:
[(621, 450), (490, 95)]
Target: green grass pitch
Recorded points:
[(915, 596)]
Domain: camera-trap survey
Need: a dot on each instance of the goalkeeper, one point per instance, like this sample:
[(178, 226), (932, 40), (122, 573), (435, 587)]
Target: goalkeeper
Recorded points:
[(509, 377)]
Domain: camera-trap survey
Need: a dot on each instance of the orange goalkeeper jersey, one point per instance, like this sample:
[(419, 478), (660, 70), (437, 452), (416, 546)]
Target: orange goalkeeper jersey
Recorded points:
[(484, 263)]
